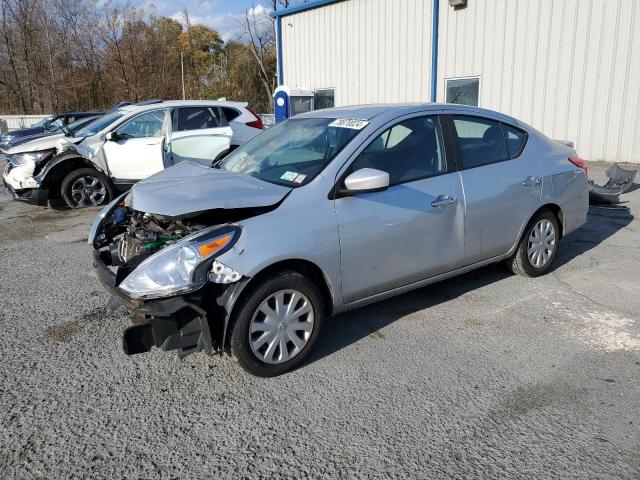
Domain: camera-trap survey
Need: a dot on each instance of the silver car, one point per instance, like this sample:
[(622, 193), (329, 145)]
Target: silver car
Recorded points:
[(326, 212)]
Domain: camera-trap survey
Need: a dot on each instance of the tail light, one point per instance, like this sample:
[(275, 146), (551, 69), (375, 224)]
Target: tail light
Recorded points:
[(257, 123), (580, 163)]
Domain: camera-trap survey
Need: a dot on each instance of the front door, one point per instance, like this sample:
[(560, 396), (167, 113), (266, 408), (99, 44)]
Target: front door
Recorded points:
[(136, 149), (415, 228), (502, 180)]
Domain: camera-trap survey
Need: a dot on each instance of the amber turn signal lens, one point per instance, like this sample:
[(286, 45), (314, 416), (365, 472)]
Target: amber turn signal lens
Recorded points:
[(212, 246)]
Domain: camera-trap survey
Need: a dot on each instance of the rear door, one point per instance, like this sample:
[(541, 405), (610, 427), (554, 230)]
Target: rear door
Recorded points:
[(199, 133), (412, 230), (137, 149), (502, 180)]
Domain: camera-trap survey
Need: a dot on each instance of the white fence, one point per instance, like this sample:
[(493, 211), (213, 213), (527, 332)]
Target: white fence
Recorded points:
[(13, 122)]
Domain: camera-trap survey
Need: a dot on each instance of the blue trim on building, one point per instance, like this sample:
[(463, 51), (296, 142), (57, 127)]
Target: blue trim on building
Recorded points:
[(302, 8), (279, 50), (434, 50), (278, 14)]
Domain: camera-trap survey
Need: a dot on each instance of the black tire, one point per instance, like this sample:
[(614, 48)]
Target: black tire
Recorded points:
[(69, 183), (520, 263), (248, 305)]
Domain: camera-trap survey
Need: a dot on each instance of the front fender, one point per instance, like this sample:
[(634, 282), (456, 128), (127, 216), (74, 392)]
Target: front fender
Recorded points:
[(68, 155)]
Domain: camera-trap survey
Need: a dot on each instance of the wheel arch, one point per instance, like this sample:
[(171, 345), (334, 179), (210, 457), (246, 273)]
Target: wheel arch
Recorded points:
[(305, 267), (53, 174), (556, 210)]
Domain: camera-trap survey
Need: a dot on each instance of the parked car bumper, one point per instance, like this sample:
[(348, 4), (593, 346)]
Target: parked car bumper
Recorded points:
[(173, 323)]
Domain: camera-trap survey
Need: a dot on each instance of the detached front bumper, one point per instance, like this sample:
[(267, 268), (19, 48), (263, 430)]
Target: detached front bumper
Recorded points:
[(174, 323)]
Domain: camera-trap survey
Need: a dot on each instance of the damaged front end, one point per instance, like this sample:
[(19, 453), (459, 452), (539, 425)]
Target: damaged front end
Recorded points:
[(20, 172), (165, 268)]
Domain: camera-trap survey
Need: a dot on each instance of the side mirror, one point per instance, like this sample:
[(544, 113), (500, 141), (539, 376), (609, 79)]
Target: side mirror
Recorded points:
[(111, 136), (366, 180)]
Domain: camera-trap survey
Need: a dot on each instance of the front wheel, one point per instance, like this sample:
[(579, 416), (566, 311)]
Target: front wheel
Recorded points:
[(538, 248), (277, 324), (86, 187)]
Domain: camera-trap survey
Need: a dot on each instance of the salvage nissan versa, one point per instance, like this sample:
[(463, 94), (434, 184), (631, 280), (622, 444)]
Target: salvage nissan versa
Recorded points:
[(326, 212)]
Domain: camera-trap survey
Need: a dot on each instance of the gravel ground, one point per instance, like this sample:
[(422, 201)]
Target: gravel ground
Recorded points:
[(484, 376)]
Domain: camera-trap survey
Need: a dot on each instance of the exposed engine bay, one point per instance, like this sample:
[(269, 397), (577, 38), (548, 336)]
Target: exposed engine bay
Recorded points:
[(129, 236), (146, 234)]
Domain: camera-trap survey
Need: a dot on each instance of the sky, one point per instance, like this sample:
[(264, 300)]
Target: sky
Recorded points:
[(222, 15)]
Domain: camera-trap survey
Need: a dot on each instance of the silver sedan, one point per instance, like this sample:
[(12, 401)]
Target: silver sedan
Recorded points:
[(326, 212)]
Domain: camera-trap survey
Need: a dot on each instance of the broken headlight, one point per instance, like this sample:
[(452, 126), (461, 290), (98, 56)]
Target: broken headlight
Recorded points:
[(181, 267), (18, 159)]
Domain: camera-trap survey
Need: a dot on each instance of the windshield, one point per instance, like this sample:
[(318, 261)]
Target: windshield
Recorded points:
[(41, 123), (292, 153), (98, 125), (78, 124)]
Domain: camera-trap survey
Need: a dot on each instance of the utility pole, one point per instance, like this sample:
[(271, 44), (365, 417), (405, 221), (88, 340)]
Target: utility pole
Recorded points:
[(184, 97)]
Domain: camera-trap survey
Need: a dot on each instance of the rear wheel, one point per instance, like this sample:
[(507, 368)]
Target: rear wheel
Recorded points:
[(538, 248), (86, 187), (277, 324)]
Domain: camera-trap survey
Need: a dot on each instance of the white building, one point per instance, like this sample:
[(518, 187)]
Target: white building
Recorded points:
[(570, 68)]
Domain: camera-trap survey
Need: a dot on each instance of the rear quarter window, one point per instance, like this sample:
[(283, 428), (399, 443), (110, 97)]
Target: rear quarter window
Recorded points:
[(230, 113), (515, 138)]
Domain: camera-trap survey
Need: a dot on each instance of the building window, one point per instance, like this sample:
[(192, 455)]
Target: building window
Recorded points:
[(463, 91), (324, 98)]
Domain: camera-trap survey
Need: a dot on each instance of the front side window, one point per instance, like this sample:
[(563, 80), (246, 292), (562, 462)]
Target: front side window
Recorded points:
[(195, 118), (292, 153), (481, 141), (146, 125), (410, 150)]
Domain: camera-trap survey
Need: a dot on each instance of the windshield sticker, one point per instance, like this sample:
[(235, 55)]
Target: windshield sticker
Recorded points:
[(289, 176), (300, 178), (353, 123)]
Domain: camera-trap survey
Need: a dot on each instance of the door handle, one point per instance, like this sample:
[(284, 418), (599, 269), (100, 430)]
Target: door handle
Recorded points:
[(443, 201), (532, 181)]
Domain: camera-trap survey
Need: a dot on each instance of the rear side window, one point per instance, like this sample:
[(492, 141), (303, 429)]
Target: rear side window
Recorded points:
[(515, 138), (410, 150), (196, 118), (481, 141)]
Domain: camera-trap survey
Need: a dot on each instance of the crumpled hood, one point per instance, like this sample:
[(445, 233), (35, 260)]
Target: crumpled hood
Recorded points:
[(36, 144), (188, 188)]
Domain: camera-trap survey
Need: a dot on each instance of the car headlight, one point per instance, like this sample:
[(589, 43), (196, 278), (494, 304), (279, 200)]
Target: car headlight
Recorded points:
[(181, 267), (18, 159)]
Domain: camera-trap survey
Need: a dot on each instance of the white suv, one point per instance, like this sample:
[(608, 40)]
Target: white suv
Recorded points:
[(127, 145)]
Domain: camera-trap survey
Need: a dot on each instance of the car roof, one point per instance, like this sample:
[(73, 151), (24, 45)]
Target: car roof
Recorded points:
[(85, 114), (179, 103), (367, 112)]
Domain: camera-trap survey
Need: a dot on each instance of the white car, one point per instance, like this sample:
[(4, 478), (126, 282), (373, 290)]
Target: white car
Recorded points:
[(126, 145)]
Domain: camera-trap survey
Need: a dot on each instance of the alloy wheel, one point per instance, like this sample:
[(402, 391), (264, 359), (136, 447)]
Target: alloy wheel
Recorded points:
[(281, 326), (542, 243), (88, 191)]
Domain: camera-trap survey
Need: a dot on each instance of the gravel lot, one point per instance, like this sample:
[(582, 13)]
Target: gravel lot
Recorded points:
[(484, 376)]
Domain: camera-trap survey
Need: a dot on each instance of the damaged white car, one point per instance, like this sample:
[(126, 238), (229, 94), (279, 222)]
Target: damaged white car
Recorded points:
[(325, 212), (126, 145)]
